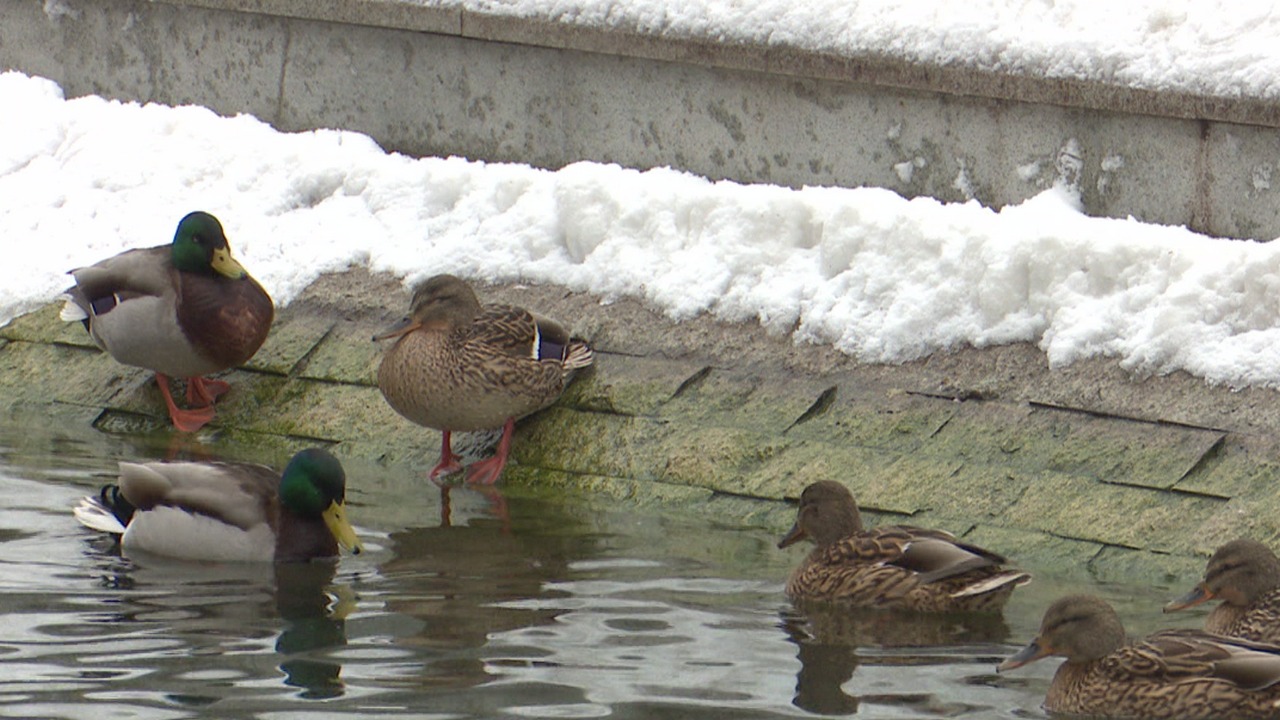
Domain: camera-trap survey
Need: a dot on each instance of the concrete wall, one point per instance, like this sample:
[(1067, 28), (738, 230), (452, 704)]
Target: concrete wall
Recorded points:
[(441, 81)]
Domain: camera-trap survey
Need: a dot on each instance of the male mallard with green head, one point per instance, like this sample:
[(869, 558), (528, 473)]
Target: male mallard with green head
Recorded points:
[(893, 566), (1182, 674), (185, 310), (1245, 575), (460, 366), (227, 511)]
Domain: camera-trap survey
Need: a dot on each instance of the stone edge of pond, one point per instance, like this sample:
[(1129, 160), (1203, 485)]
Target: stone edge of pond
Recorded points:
[(1086, 470)]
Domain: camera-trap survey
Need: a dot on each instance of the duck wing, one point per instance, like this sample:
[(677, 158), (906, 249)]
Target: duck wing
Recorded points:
[(932, 554), (1173, 655), (239, 494), (144, 272), (516, 332)]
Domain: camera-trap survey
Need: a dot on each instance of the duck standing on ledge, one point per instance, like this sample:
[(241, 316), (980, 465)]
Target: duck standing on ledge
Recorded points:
[(185, 310), (227, 512), (1175, 674), (460, 366), (890, 567)]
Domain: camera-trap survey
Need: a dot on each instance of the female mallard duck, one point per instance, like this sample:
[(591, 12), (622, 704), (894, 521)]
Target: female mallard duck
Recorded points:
[(227, 511), (895, 566), (183, 310), (1184, 674), (1245, 575), (459, 366)]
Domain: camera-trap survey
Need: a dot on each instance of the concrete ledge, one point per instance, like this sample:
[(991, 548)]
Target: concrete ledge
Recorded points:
[(1083, 471), (781, 59), (435, 80)]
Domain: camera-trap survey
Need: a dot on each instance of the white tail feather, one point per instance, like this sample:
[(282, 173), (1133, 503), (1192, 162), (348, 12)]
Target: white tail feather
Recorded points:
[(578, 356), (71, 312), (994, 582), (94, 515)]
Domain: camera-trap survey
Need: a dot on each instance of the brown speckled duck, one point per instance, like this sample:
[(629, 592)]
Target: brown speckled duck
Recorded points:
[(1245, 575), (1184, 674), (461, 366), (185, 309), (894, 566)]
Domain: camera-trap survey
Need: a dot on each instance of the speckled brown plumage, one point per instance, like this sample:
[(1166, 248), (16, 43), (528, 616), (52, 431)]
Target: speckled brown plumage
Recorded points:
[(459, 366), (1186, 674), (897, 566), (1245, 575)]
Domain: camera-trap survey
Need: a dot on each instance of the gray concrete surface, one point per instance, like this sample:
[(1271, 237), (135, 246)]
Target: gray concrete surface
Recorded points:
[(441, 81)]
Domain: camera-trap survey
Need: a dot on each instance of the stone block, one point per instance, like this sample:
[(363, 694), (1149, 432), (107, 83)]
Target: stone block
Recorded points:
[(293, 337), (1083, 508), (559, 438), (44, 326), (1176, 573), (347, 354), (1037, 552), (894, 421), (627, 385)]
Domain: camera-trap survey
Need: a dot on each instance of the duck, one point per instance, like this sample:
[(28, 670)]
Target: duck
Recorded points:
[(183, 310), (459, 366), (1245, 575), (227, 511), (1185, 674), (898, 567)]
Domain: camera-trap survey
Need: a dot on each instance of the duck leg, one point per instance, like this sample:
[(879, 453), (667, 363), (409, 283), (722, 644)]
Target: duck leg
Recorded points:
[(448, 461), (202, 392), (184, 420), (486, 471)]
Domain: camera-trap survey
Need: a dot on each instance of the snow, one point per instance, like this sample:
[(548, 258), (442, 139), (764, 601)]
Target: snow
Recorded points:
[(880, 277), (1224, 48)]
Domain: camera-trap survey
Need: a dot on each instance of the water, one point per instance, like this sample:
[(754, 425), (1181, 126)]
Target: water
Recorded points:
[(466, 605)]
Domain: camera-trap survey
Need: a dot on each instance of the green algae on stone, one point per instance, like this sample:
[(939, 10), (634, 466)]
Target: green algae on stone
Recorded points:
[(347, 354), (560, 438), (1126, 565), (1089, 509), (626, 385), (35, 374), (1232, 470), (787, 472), (292, 338), (717, 457), (897, 422), (1062, 557), (946, 487)]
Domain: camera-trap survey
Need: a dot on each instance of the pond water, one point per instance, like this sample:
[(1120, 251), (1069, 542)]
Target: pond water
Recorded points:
[(516, 604)]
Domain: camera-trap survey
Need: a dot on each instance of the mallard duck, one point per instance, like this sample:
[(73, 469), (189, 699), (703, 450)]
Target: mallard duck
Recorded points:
[(227, 511), (460, 366), (1245, 575), (185, 309), (894, 566), (1182, 674)]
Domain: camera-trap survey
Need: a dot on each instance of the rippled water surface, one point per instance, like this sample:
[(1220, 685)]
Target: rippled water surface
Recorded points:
[(572, 607)]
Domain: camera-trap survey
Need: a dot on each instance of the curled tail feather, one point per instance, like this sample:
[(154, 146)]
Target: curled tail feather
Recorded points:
[(578, 355)]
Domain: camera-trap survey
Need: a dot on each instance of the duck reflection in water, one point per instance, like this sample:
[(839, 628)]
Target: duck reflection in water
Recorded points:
[(827, 638), (314, 622), (215, 610), (469, 578), (464, 512)]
